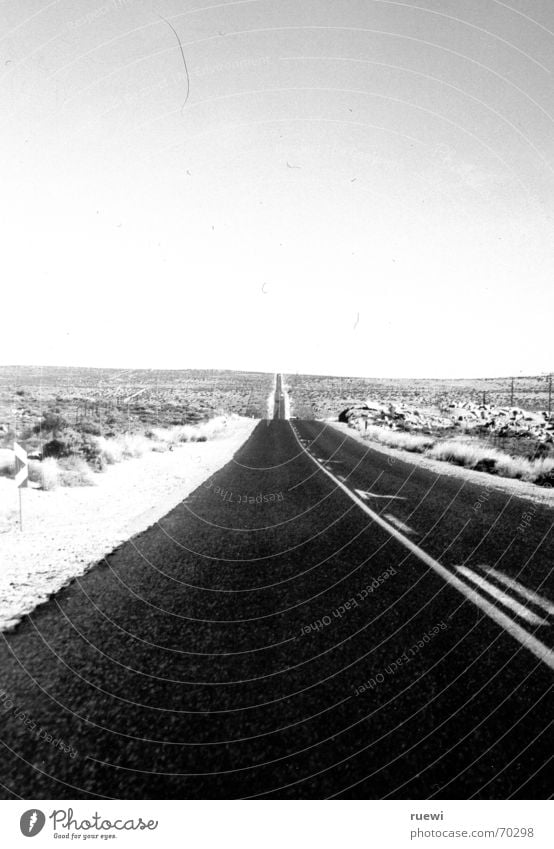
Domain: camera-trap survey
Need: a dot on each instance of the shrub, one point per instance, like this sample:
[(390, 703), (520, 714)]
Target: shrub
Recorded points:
[(55, 448), (92, 428), (89, 449), (35, 471), (109, 450), (515, 467), (134, 445), (7, 464), (483, 459), (74, 471), (544, 472), (52, 422), (462, 453), (399, 439), (49, 474), (71, 443)]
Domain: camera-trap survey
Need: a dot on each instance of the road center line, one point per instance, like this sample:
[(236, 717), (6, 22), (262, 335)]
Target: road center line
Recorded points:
[(523, 637)]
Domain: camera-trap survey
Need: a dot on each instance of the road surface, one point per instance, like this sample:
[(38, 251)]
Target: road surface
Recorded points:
[(280, 403), (270, 638)]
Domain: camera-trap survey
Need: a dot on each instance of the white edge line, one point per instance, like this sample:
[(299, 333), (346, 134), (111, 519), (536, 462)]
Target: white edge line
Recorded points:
[(501, 596), (537, 599), (516, 631)]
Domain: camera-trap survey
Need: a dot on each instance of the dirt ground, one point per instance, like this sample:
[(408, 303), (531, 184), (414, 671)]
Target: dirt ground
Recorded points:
[(67, 530)]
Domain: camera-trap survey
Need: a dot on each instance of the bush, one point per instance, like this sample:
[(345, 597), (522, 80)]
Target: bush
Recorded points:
[(74, 471), (109, 450), (71, 443), (92, 428), (7, 464), (544, 472), (461, 453), (483, 459), (55, 448), (134, 445), (399, 439), (52, 422), (49, 474), (89, 449), (35, 471), (200, 432)]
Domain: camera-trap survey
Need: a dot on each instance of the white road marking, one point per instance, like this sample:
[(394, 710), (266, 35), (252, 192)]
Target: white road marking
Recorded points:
[(523, 591), (523, 637), (365, 495), (398, 524), (271, 400), (504, 599), (286, 399)]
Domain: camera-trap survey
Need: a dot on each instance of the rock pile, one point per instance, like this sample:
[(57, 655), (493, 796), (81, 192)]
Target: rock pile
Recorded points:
[(504, 421), (501, 421)]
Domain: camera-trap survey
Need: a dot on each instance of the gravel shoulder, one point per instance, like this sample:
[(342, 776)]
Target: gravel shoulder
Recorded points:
[(68, 530), (520, 489)]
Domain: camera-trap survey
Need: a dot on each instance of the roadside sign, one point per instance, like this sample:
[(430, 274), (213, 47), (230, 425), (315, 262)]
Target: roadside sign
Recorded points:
[(21, 475), (21, 466)]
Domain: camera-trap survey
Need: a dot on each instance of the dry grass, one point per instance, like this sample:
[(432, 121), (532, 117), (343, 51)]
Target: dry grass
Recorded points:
[(74, 470), (120, 448), (7, 465), (110, 450), (466, 452), (323, 396), (40, 400), (461, 452), (202, 432), (49, 474), (475, 456), (398, 439), (133, 445)]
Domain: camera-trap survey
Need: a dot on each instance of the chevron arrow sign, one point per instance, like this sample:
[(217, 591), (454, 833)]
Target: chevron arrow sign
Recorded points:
[(21, 466)]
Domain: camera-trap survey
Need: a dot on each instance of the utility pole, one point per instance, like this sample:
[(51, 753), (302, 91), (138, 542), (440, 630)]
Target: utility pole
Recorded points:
[(549, 394), (512, 394)]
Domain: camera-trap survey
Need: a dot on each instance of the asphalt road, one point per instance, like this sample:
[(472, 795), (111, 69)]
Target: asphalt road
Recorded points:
[(268, 638), (279, 411)]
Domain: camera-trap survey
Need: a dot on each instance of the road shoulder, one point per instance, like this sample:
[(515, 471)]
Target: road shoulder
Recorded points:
[(67, 531), (520, 489)]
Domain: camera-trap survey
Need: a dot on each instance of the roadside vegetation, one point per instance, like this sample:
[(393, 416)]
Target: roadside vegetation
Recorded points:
[(70, 458), (466, 451), (501, 426), (321, 396), (77, 422)]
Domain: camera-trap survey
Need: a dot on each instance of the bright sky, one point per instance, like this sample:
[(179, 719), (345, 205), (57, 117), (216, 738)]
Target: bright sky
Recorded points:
[(410, 236)]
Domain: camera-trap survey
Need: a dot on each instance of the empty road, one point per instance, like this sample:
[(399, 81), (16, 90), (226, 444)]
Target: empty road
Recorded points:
[(317, 620)]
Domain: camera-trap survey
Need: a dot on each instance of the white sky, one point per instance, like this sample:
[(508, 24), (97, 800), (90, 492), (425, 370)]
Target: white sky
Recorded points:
[(413, 237)]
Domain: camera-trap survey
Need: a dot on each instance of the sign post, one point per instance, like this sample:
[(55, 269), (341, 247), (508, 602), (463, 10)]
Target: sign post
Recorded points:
[(21, 475)]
